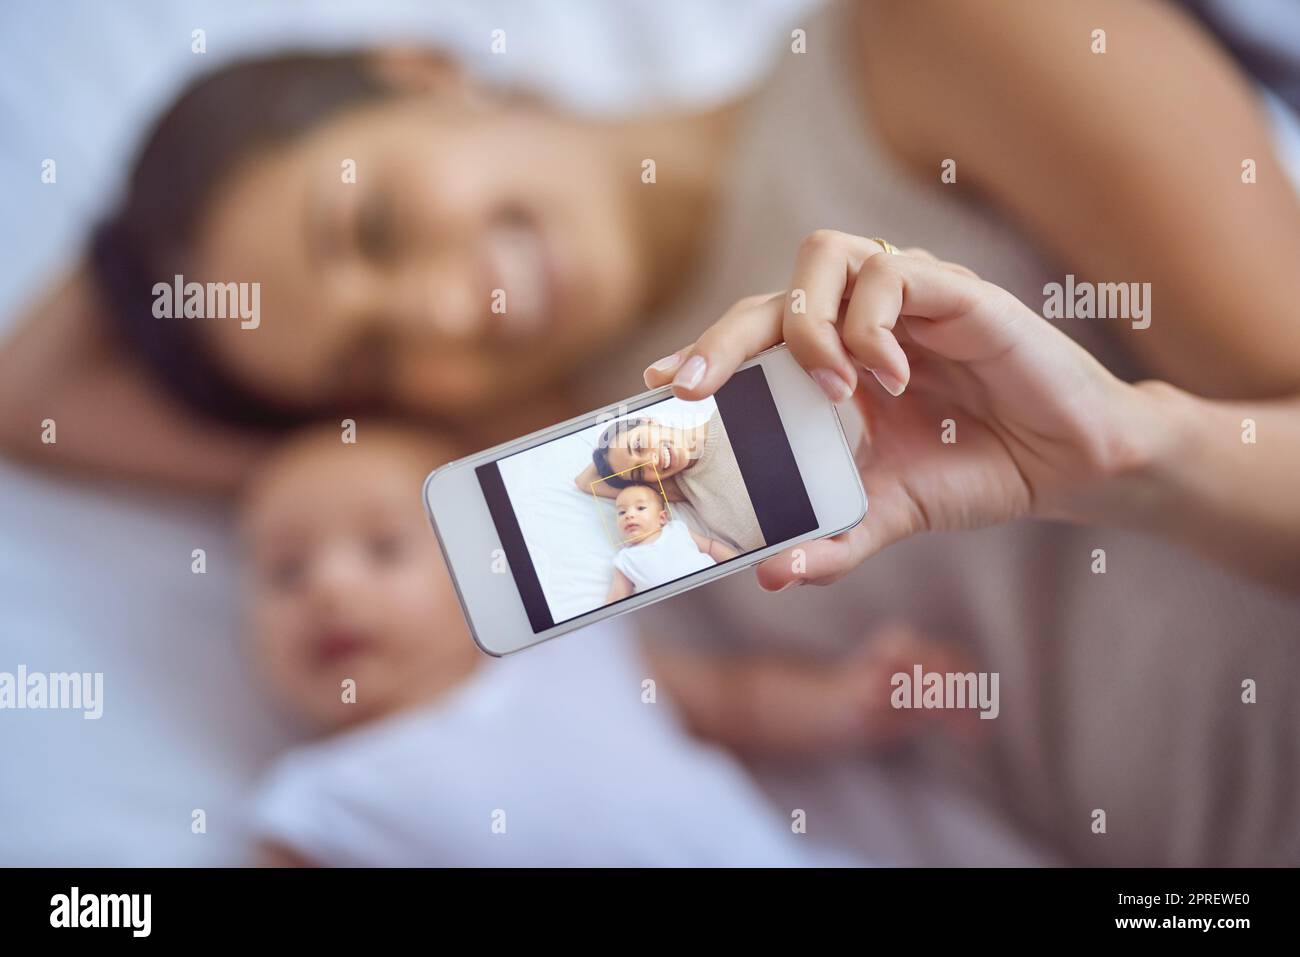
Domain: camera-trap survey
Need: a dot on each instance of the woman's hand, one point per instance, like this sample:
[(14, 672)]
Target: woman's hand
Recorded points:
[(979, 411)]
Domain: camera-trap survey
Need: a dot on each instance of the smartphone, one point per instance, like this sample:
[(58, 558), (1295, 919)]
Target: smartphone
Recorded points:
[(639, 501)]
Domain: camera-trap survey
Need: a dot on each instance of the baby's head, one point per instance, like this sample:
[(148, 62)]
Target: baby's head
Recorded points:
[(346, 580), (640, 512)]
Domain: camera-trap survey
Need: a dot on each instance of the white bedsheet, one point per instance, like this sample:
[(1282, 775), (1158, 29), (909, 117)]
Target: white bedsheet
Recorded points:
[(93, 580)]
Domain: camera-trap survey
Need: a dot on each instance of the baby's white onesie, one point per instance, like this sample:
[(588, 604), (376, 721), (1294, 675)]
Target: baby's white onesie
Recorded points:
[(551, 757), (670, 556)]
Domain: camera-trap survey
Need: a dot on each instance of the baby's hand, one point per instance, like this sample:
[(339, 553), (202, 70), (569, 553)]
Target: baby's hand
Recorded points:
[(775, 707), (859, 706)]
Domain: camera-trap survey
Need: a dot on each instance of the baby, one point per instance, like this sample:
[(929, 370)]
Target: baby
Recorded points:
[(656, 549), (426, 752)]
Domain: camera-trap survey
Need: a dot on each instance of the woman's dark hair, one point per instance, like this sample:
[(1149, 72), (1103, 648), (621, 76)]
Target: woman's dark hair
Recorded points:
[(600, 454), (222, 119), (637, 483)]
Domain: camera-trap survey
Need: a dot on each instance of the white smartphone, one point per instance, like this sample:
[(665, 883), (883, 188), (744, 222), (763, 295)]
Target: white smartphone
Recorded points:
[(637, 502)]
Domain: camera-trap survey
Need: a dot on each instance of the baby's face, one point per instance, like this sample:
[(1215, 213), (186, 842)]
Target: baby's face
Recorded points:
[(347, 581), (640, 511)]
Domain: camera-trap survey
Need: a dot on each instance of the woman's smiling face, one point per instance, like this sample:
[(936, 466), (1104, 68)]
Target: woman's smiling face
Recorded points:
[(649, 450), (443, 251)]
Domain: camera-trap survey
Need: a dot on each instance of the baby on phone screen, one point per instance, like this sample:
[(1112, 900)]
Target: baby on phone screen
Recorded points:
[(656, 549)]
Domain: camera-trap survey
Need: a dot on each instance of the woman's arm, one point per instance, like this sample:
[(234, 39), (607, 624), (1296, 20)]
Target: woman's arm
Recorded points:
[(109, 417), (589, 482), (1127, 165), (1218, 477)]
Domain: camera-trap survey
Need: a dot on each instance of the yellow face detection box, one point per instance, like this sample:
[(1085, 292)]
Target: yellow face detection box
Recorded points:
[(613, 533)]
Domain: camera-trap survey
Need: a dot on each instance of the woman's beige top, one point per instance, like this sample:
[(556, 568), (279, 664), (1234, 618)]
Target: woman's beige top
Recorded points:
[(713, 484), (1121, 692)]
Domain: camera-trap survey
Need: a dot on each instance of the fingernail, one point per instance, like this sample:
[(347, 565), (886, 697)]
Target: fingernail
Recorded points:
[(667, 363), (777, 591), (836, 389), (891, 384), (689, 376)]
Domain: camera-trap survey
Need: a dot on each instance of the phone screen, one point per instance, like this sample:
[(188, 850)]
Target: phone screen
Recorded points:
[(646, 498)]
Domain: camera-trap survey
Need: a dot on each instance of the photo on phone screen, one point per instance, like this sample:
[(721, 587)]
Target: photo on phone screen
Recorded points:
[(647, 498)]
